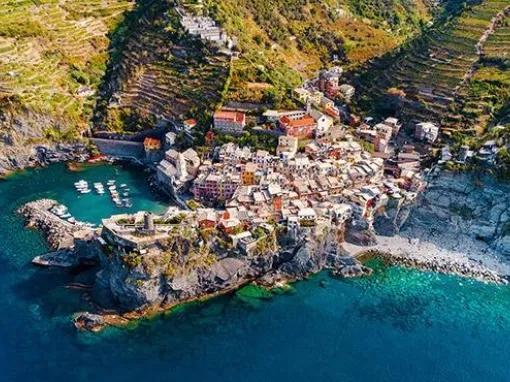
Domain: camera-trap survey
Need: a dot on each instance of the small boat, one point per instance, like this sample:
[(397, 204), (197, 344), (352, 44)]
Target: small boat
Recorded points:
[(123, 185), (110, 182), (72, 220), (112, 188), (66, 216)]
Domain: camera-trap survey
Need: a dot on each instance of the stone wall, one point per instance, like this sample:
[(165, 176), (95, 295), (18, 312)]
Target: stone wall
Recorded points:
[(118, 148)]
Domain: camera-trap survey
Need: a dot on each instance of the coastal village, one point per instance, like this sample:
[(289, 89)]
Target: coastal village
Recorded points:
[(322, 171), (330, 175)]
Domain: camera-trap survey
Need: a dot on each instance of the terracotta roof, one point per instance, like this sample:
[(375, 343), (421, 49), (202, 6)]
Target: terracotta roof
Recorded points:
[(233, 116), (190, 122), (152, 143), (299, 122)]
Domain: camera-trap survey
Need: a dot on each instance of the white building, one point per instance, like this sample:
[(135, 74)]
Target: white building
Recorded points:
[(426, 131), (287, 147), (324, 122)]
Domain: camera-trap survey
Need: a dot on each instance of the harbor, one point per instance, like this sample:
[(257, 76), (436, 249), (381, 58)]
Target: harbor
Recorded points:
[(395, 305), (119, 194)]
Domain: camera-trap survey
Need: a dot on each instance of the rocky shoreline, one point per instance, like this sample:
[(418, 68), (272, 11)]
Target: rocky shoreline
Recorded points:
[(14, 159), (124, 292), (439, 265), (459, 225), (429, 236)]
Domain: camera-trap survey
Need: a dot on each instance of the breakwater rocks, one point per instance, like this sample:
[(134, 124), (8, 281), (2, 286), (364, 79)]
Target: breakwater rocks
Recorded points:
[(444, 265), (72, 244), (58, 232)]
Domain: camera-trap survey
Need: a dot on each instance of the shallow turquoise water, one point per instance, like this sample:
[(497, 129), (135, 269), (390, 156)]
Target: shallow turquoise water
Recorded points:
[(398, 325)]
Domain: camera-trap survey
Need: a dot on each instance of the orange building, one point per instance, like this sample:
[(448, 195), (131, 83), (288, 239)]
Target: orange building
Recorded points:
[(151, 144)]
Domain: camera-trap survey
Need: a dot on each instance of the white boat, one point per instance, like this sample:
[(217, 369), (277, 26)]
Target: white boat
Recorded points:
[(110, 182), (123, 185), (85, 191), (71, 220), (66, 216), (112, 188)]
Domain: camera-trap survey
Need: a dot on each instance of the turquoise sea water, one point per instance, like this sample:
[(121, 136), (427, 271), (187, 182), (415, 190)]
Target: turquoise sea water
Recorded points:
[(398, 325)]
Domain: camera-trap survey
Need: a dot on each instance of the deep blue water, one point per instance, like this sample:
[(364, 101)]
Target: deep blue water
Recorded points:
[(398, 325)]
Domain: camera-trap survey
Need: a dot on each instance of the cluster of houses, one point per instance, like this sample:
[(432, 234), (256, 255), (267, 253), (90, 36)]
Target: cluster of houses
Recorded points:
[(324, 176), (321, 169), (324, 88), (486, 154), (205, 28), (241, 191), (301, 123), (380, 134)]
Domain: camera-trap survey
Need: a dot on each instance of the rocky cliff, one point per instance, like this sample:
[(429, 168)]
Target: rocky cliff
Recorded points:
[(460, 221), (147, 286), (465, 206)]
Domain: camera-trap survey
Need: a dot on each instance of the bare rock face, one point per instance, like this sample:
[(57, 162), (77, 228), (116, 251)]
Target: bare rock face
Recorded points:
[(390, 222), (18, 133), (362, 236), (460, 208)]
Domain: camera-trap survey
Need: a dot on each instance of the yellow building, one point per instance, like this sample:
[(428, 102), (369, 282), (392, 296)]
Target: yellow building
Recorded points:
[(248, 174)]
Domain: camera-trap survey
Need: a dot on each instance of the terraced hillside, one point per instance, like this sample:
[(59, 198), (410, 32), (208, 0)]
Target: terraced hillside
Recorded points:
[(160, 73), (485, 98), (52, 58), (450, 75), (282, 41)]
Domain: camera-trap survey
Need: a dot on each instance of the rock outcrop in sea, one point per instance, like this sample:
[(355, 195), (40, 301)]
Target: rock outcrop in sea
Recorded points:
[(141, 286)]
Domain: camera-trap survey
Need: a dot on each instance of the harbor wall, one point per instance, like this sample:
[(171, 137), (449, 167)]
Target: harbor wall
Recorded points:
[(118, 148)]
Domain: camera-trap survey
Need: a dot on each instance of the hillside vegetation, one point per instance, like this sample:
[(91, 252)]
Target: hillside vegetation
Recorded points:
[(159, 73), (282, 41), (52, 57), (126, 65), (456, 74)]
